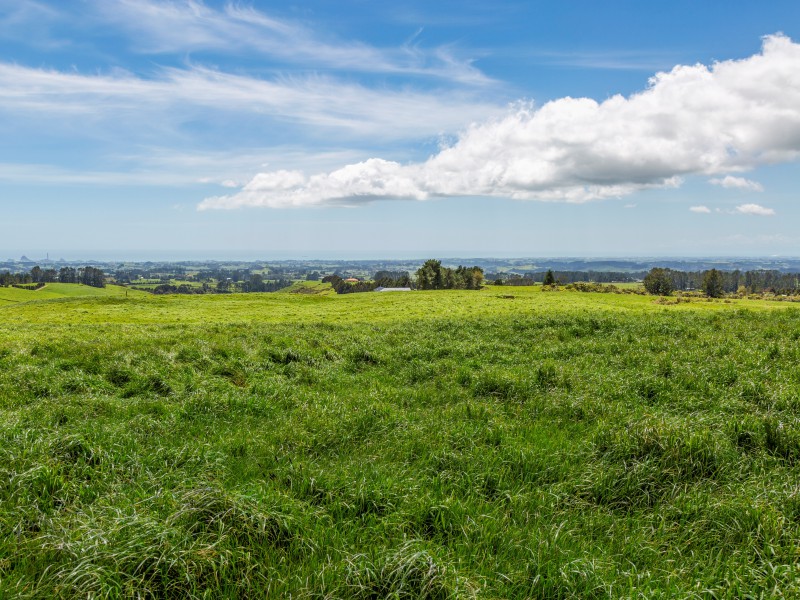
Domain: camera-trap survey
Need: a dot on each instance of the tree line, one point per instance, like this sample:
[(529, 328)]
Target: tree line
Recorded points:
[(91, 276), (430, 276), (348, 287), (256, 283), (715, 283), (433, 276), (565, 277), (380, 279), (253, 283), (392, 279)]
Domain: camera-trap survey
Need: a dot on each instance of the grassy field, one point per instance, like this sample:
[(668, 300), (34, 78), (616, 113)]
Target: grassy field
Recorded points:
[(310, 287), (150, 284), (65, 290), (506, 443)]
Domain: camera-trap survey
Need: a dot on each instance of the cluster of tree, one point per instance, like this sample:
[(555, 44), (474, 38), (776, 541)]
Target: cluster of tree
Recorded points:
[(662, 282), (257, 283), (565, 277), (162, 273), (548, 279), (348, 287), (603, 288), (659, 282), (235, 275), (7, 279), (39, 275), (380, 279), (86, 275), (65, 274), (254, 283), (28, 286), (715, 283), (392, 279), (433, 276), (513, 280), (760, 281), (184, 288)]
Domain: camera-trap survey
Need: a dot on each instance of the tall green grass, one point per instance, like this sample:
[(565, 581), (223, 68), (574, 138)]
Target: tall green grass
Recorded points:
[(568, 448)]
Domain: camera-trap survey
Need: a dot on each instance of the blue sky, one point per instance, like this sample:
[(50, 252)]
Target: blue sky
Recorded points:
[(178, 129)]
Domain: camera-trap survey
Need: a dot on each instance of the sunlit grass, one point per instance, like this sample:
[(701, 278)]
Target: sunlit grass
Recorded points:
[(418, 445), (65, 290), (318, 305)]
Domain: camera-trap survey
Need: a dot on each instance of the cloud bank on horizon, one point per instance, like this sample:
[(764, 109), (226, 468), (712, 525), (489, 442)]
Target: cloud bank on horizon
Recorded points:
[(693, 120)]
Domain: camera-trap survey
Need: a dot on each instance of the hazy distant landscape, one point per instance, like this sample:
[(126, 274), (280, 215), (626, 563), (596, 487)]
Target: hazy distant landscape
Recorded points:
[(299, 268)]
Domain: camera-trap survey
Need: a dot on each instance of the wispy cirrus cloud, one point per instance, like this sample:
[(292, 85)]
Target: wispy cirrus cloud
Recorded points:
[(740, 183), (161, 166), (609, 60), (14, 13), (16, 17), (189, 25), (29, 21), (692, 120), (313, 101), (703, 210)]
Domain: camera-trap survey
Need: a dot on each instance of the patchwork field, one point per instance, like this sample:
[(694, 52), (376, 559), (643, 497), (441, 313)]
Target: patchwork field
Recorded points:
[(505, 443)]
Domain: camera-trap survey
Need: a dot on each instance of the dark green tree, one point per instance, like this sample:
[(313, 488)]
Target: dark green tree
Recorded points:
[(659, 282), (67, 275), (91, 276), (549, 278), (255, 284), (429, 275), (392, 279), (475, 281), (433, 276), (713, 283)]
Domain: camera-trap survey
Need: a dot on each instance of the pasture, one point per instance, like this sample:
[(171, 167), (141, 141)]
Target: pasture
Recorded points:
[(504, 443), (65, 290)]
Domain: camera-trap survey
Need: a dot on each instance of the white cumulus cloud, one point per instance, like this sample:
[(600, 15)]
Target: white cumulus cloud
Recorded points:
[(692, 120), (755, 209), (729, 181), (372, 179), (700, 209)]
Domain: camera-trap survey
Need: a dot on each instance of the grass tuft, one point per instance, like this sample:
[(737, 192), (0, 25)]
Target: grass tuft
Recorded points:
[(407, 572)]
